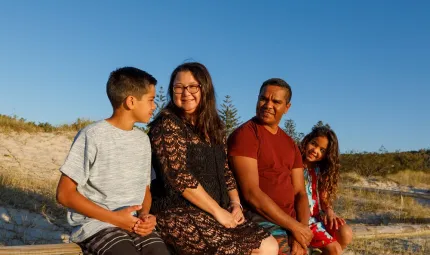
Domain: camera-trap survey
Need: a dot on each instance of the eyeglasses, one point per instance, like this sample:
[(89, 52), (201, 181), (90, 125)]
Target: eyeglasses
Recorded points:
[(193, 88)]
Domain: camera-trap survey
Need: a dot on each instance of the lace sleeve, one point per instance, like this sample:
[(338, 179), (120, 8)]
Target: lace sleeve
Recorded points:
[(169, 148), (228, 174)]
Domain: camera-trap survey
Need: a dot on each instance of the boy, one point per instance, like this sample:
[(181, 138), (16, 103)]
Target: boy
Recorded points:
[(105, 178)]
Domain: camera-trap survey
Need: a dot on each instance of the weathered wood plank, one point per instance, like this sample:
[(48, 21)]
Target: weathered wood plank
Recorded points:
[(42, 249)]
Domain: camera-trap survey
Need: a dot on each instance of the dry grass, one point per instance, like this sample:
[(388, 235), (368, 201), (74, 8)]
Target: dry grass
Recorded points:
[(34, 195), (361, 206), (415, 246), (417, 179), (16, 124)]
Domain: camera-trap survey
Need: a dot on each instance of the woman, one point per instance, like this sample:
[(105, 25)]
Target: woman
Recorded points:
[(194, 196)]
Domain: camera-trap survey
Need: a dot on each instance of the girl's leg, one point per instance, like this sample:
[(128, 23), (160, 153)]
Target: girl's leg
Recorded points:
[(269, 246), (344, 235), (333, 248)]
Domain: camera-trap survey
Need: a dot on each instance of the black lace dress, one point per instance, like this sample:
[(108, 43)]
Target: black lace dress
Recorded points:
[(181, 159)]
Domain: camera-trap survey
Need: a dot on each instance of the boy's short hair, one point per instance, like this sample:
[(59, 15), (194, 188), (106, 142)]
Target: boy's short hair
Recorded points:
[(280, 83), (127, 81)]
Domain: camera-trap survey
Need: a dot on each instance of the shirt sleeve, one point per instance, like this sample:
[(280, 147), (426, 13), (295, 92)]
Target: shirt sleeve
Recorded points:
[(81, 157), (169, 148), (243, 142)]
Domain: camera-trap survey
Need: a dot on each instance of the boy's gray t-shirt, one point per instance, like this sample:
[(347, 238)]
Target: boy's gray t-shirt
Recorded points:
[(112, 168)]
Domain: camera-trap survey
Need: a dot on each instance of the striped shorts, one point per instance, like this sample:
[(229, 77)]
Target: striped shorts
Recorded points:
[(115, 240)]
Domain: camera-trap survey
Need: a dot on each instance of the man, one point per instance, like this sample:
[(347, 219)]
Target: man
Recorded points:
[(269, 170)]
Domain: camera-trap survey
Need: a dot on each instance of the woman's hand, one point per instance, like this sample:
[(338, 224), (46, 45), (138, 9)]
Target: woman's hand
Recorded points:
[(236, 211), (331, 220), (225, 218)]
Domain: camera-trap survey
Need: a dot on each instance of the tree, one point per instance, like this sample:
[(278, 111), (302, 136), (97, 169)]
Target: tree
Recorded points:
[(320, 123), (290, 129), (160, 101), (229, 116)]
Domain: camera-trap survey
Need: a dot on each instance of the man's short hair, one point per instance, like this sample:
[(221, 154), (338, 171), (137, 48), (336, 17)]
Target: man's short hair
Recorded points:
[(280, 83), (128, 81)]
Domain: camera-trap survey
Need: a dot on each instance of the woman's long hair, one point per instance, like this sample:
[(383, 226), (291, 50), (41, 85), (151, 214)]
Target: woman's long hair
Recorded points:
[(208, 124), (329, 165)]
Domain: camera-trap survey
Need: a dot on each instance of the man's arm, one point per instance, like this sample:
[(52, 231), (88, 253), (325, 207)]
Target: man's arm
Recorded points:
[(246, 170), (301, 203), (68, 196)]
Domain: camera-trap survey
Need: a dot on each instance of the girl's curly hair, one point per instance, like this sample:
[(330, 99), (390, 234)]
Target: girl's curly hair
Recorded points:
[(329, 165)]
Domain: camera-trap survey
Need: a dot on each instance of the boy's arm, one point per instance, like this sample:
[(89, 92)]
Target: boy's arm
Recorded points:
[(147, 201), (147, 222), (68, 196)]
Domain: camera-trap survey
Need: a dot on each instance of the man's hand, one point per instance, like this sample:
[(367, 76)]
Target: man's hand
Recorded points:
[(145, 225), (331, 220), (296, 248), (302, 234), (124, 218)]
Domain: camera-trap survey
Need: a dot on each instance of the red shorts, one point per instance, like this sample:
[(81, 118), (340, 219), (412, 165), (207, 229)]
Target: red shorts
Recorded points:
[(322, 235)]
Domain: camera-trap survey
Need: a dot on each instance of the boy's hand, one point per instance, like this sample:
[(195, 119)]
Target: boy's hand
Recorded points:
[(124, 218), (145, 225)]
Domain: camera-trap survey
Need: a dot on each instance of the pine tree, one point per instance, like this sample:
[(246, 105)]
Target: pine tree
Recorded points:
[(290, 129), (228, 114), (160, 101), (320, 123)]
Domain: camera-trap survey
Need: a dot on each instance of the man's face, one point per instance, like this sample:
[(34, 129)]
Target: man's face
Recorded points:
[(272, 104)]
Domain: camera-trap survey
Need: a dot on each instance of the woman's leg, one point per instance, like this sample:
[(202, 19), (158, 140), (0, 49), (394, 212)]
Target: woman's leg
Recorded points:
[(269, 246)]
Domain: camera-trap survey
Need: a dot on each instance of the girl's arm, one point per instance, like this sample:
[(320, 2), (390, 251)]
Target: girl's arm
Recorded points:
[(330, 218)]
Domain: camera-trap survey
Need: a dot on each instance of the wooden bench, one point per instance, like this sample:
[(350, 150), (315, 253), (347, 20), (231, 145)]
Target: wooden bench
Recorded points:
[(42, 249)]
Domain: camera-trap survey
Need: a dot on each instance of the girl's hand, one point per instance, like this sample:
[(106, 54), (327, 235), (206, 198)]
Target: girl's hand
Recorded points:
[(331, 220), (236, 211), (225, 218)]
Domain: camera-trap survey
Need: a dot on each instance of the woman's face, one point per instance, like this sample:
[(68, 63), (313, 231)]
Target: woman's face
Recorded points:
[(186, 92)]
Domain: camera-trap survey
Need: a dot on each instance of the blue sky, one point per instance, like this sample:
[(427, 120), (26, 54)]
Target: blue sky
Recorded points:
[(361, 66)]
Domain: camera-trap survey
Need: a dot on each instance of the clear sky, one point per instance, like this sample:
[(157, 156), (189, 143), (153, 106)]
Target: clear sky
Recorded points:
[(361, 66)]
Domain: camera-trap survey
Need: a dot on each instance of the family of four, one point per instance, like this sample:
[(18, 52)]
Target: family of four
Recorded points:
[(256, 192)]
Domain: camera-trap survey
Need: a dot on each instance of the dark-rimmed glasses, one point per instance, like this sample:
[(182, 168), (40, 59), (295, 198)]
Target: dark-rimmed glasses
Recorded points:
[(192, 88)]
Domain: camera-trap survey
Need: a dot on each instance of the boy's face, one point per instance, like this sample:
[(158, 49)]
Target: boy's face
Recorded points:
[(145, 106)]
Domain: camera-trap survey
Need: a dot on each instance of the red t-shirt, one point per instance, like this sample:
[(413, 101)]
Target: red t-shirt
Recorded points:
[(276, 154)]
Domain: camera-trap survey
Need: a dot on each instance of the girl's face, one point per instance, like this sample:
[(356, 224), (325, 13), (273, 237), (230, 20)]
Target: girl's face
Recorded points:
[(316, 149)]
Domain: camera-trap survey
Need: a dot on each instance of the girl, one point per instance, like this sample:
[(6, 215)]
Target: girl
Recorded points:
[(320, 153)]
